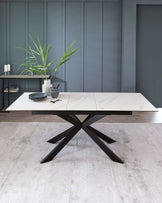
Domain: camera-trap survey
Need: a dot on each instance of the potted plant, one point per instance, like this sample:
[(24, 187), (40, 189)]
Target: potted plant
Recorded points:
[(37, 61)]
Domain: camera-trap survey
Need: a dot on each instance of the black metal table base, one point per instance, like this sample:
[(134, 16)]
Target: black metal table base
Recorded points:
[(94, 134)]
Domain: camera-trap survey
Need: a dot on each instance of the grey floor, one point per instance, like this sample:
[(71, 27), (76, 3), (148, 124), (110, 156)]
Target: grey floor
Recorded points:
[(81, 172)]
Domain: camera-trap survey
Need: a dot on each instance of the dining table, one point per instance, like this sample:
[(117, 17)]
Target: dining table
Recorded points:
[(95, 105)]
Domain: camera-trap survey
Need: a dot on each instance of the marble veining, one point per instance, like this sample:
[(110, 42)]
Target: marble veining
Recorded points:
[(81, 101), (123, 102), (86, 102)]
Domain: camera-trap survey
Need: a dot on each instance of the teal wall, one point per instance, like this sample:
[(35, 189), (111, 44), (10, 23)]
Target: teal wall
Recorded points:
[(149, 52), (96, 25), (137, 65), (106, 29)]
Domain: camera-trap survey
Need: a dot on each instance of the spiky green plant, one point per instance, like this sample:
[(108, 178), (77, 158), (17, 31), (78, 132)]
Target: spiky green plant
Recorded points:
[(37, 58)]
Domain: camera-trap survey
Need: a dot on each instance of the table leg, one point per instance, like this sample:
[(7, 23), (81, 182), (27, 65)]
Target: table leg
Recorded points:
[(94, 137), (60, 136), (71, 119), (68, 134), (40, 84), (2, 94), (101, 135), (58, 148), (8, 92)]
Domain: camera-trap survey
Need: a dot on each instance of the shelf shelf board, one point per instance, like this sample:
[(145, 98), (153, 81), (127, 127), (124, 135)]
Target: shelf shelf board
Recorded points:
[(24, 77), (12, 90)]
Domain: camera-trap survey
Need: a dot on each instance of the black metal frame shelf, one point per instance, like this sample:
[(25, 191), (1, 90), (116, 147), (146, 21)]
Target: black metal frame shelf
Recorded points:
[(9, 77)]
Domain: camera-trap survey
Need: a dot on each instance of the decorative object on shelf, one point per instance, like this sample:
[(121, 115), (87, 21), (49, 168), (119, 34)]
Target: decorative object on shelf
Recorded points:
[(54, 91), (37, 96), (7, 69), (12, 89), (37, 60)]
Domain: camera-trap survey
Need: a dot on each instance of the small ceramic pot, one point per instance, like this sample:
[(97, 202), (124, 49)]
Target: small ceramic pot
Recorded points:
[(54, 92)]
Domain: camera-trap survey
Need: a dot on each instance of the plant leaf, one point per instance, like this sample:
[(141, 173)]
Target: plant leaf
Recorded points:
[(35, 44), (72, 52), (37, 57), (48, 65), (60, 64), (68, 49)]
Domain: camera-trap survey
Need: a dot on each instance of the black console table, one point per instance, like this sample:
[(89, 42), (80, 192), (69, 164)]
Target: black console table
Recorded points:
[(9, 77)]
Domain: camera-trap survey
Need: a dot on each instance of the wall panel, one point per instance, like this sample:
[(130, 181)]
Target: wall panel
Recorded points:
[(17, 34), (149, 53), (74, 30), (36, 20), (95, 24), (56, 35), (17, 37), (3, 36), (35, 27), (111, 46), (92, 46)]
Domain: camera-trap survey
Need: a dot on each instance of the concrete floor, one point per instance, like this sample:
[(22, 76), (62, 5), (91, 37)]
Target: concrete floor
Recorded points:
[(81, 172)]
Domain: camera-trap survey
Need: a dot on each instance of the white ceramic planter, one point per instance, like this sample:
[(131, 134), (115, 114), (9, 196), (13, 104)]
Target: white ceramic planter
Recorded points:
[(46, 87)]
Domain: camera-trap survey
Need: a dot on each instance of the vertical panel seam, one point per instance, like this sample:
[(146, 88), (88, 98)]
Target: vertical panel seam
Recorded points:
[(83, 45), (44, 22), (26, 34), (8, 33), (135, 85), (101, 46), (46, 4), (65, 78), (121, 49), (6, 29)]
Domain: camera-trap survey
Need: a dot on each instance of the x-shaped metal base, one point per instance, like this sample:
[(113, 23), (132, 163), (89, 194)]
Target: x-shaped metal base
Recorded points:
[(94, 134)]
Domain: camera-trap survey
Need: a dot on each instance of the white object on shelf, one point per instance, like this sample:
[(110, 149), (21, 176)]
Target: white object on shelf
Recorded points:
[(8, 67), (5, 68), (12, 90)]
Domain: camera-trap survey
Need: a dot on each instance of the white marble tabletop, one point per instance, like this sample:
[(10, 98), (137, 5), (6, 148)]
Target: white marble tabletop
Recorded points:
[(85, 101)]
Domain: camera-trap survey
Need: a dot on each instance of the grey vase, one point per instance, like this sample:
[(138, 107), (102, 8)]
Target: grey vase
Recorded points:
[(54, 92)]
